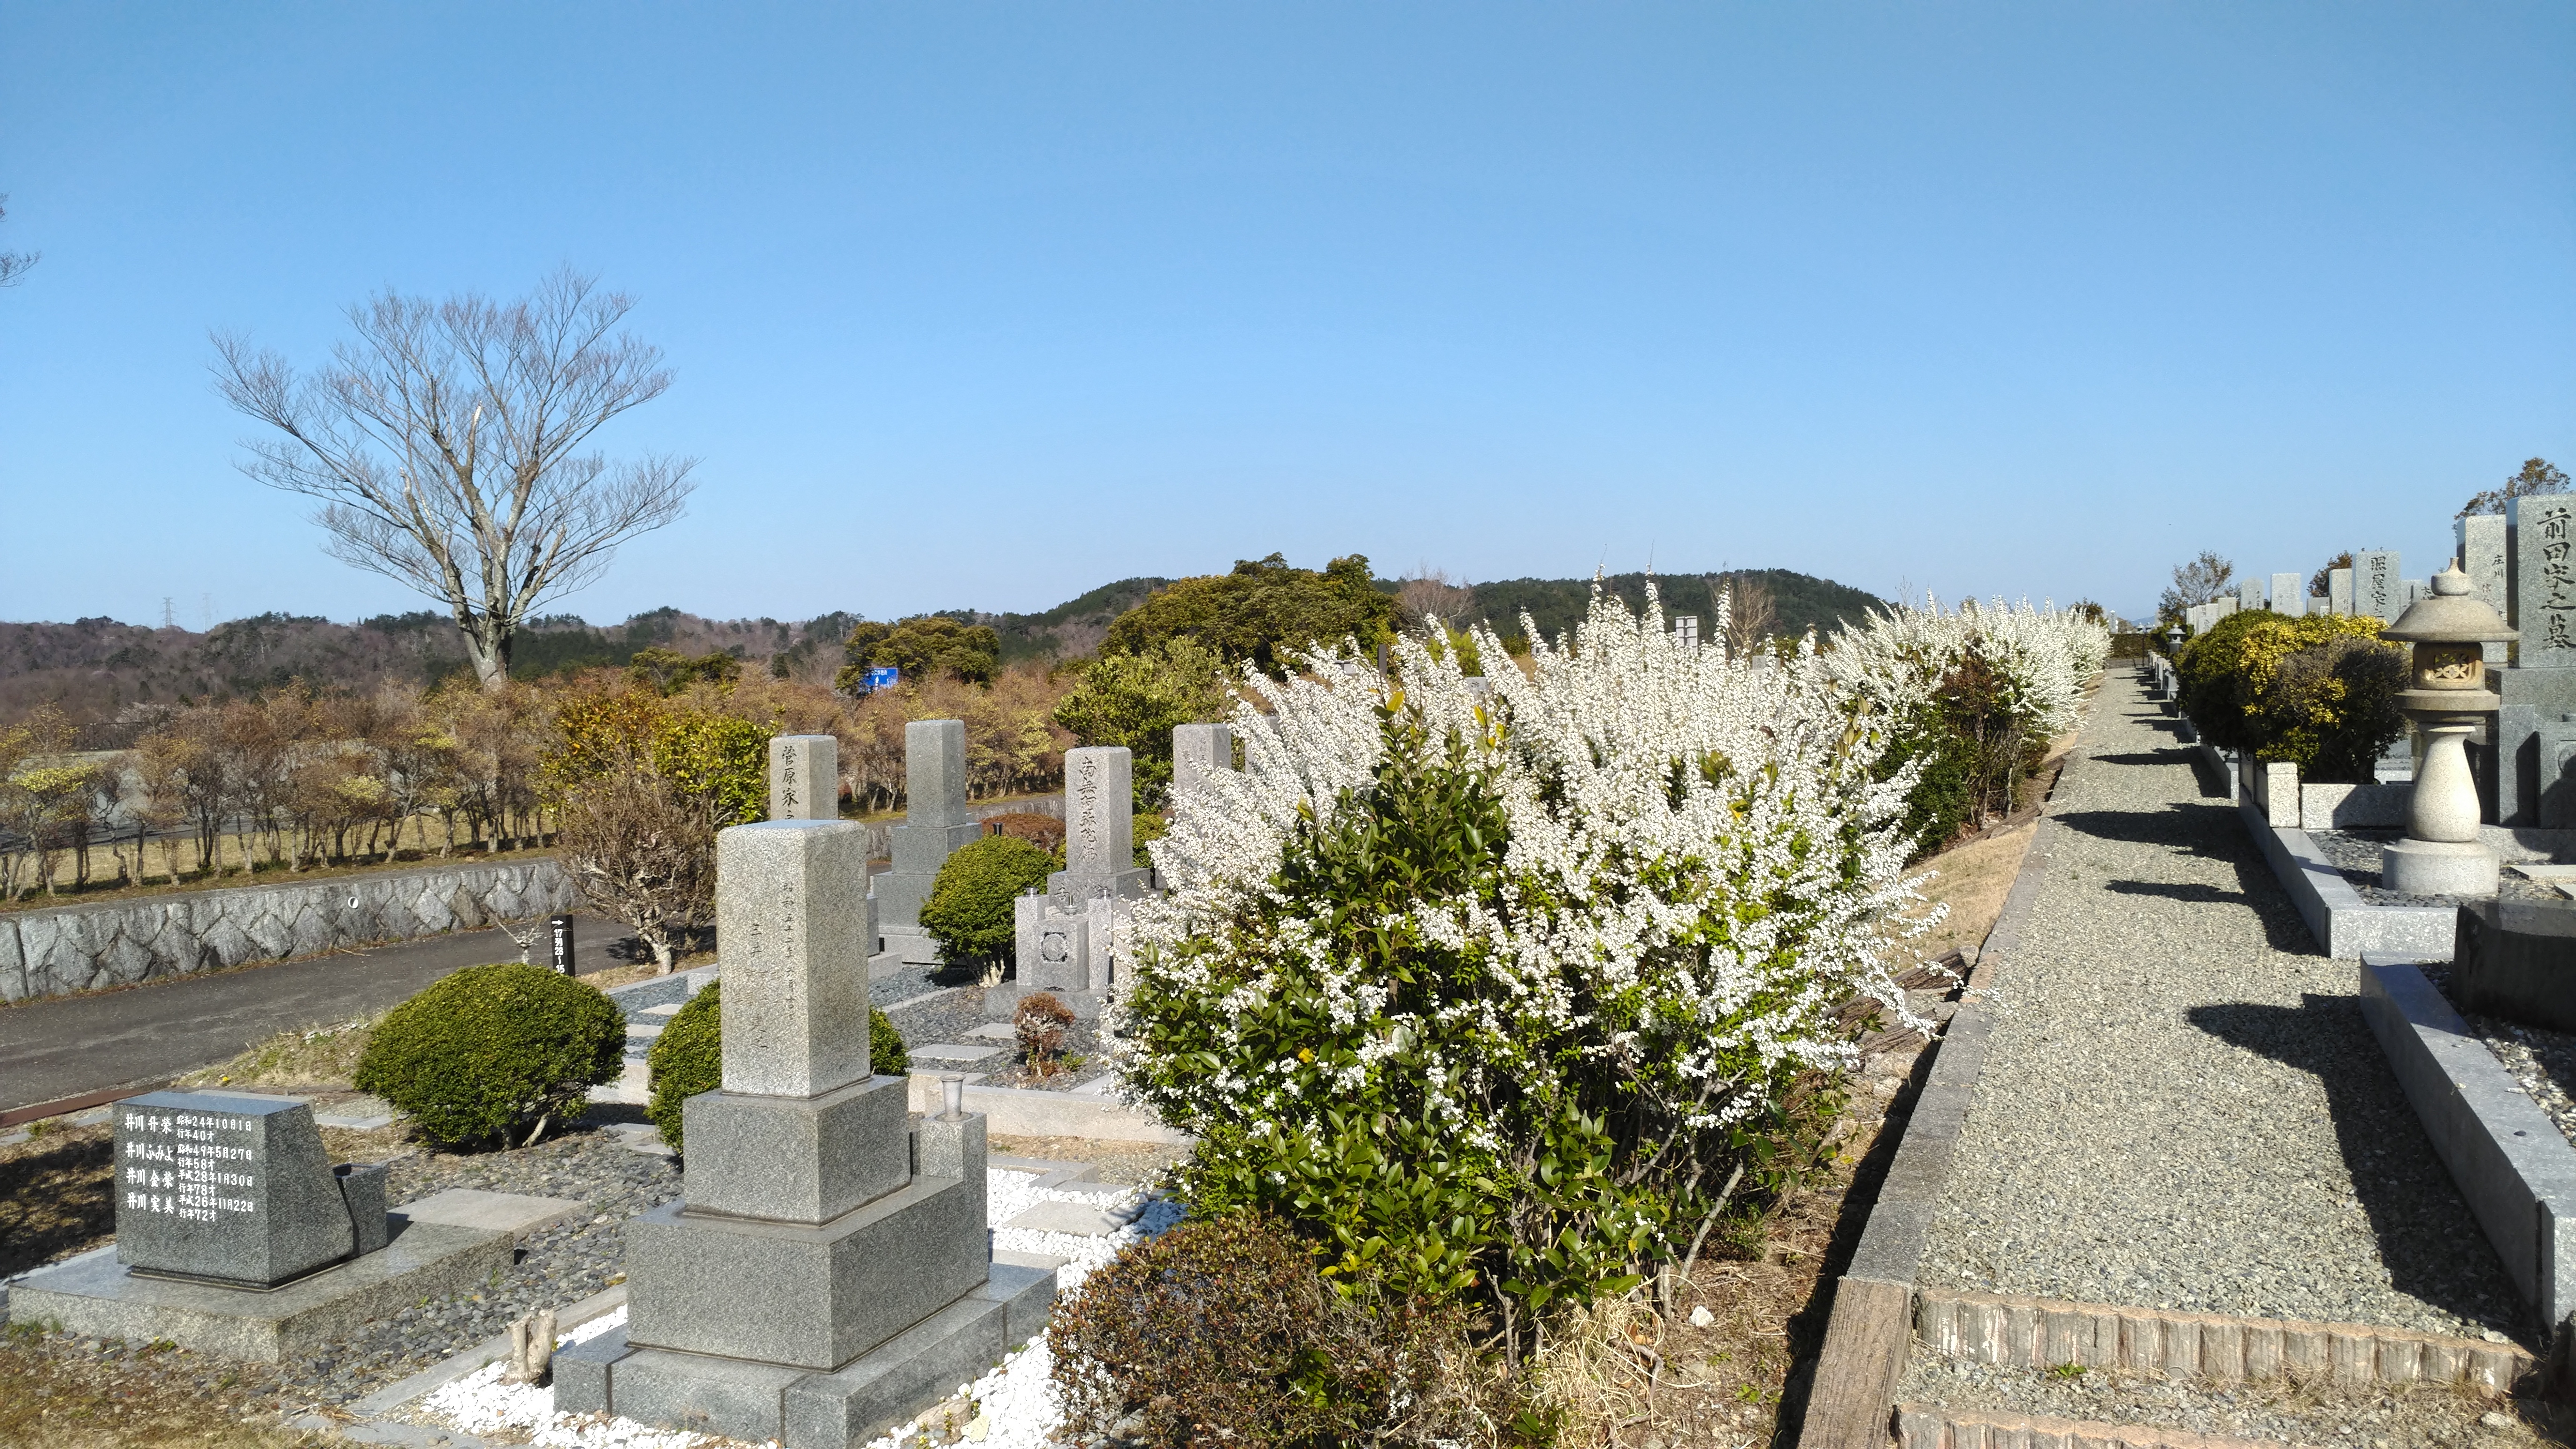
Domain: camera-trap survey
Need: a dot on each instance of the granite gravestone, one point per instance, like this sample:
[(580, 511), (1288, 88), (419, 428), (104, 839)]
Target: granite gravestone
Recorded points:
[(2249, 594), (2289, 595), (1198, 751), (2377, 590), (234, 1189), (2540, 687), (828, 1273), (935, 826), (804, 777), (2338, 591), (2481, 543), (1065, 941)]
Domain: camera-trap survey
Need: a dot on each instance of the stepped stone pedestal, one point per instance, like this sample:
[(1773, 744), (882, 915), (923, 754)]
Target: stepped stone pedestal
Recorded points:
[(828, 1274)]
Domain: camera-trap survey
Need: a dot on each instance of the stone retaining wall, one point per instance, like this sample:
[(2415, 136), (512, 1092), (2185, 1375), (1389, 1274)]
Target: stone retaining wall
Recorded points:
[(79, 948)]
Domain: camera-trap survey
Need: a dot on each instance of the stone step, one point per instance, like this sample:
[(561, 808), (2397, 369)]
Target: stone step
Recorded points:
[(2038, 1333), (952, 1053)]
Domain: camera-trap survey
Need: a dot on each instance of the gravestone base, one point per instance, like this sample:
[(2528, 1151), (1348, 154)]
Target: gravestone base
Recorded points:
[(904, 946), (802, 1409), (2438, 868), (94, 1296)]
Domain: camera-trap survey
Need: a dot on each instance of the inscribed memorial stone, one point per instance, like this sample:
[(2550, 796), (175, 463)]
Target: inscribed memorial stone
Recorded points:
[(2481, 547), (2289, 595), (232, 1188), (2543, 582), (2249, 594), (2377, 590), (2339, 591), (804, 777)]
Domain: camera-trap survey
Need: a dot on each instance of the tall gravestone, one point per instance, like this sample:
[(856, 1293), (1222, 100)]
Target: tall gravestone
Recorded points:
[(234, 1189), (805, 784), (2338, 591), (2249, 594), (935, 825), (1065, 942), (2377, 588), (1198, 751), (2481, 545), (804, 777), (2539, 690), (2289, 595), (828, 1273)]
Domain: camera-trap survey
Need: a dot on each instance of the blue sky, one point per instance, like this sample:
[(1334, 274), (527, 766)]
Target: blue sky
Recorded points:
[(979, 305)]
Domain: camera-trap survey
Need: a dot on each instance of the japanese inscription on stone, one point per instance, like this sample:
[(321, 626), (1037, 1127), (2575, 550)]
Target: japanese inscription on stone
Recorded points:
[(228, 1187), (2544, 583)]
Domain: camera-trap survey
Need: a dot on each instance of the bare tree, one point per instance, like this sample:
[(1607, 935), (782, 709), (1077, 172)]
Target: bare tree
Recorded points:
[(2200, 581), (1427, 594), (442, 443), (2538, 475), (14, 265), (1751, 612)]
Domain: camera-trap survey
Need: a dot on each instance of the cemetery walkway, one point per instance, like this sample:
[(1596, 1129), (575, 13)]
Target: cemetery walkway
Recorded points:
[(2180, 1105), (64, 1047)]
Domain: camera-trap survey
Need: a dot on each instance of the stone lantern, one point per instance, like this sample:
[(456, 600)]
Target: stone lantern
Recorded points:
[(2441, 855)]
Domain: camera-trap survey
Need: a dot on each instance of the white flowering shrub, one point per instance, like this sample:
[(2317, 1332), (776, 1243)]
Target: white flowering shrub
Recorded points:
[(1491, 991), (1970, 699)]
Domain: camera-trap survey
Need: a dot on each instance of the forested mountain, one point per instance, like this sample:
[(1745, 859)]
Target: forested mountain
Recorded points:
[(100, 671)]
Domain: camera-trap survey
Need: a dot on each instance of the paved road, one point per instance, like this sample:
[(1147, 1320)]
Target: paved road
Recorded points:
[(61, 1048)]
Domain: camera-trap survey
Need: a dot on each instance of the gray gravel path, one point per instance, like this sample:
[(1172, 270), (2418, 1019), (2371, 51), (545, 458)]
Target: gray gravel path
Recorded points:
[(2181, 1106), (2395, 1416)]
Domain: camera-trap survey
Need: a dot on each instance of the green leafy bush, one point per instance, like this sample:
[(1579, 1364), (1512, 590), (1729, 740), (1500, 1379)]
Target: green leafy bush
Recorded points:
[(969, 909), (2319, 691), (493, 1053), (688, 1057), (1136, 699), (1222, 1331)]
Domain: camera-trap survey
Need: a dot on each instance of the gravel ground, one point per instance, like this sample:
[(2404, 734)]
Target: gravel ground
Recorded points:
[(953, 1017), (560, 1266), (2541, 1062), (2356, 854), (2411, 1416), (2180, 1105)]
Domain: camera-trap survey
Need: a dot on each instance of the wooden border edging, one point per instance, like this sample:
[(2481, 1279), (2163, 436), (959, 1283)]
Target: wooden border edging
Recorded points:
[(2509, 1160), (37, 1112), (1871, 1330)]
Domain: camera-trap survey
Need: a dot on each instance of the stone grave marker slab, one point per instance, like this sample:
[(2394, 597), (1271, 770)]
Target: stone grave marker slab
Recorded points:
[(804, 777), (2377, 588), (227, 1188)]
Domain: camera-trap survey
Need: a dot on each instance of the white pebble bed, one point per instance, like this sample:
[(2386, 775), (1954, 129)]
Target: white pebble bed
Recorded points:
[(1012, 1407)]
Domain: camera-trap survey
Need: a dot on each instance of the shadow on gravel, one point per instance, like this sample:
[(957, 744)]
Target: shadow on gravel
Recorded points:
[(2176, 891), (2431, 1246), (2173, 756)]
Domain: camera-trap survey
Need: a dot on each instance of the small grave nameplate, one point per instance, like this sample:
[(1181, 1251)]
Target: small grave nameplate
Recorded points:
[(230, 1188)]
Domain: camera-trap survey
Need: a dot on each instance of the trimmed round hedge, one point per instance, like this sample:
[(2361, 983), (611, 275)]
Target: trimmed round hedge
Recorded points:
[(969, 910), (688, 1057), (489, 1055)]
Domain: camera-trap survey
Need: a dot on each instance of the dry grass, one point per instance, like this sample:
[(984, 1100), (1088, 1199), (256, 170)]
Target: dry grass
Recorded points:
[(144, 1397), (57, 1197), (1972, 880), (318, 1056)]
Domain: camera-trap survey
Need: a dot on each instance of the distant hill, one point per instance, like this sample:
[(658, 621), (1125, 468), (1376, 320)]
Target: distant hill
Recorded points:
[(107, 675), (1801, 601)]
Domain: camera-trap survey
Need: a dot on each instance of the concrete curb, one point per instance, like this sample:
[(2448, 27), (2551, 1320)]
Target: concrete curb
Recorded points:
[(1871, 1329), (2344, 925), (1023, 1112), (2510, 1161)]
